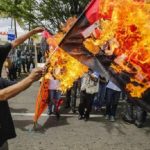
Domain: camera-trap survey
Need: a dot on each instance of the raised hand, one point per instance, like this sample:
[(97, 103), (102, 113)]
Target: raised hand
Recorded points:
[(38, 30)]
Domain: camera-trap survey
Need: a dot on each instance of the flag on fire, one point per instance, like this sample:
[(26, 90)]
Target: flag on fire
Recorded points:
[(113, 39)]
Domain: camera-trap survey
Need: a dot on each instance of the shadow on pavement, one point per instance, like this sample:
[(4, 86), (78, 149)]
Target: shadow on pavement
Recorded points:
[(18, 110), (109, 126), (51, 122), (22, 124)]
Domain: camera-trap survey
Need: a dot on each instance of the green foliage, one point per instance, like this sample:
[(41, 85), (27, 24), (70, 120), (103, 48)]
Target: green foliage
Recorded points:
[(11, 8), (55, 12), (49, 13)]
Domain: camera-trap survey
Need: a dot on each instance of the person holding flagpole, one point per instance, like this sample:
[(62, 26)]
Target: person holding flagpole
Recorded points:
[(9, 89)]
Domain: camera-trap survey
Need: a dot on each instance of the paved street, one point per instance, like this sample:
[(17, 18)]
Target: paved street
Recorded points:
[(69, 133)]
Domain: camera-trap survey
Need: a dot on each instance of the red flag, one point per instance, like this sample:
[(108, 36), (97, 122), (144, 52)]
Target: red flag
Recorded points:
[(42, 99), (93, 13)]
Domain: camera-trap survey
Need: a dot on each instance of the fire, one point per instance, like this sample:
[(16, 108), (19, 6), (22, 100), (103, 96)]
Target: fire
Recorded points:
[(129, 25), (66, 27), (64, 67)]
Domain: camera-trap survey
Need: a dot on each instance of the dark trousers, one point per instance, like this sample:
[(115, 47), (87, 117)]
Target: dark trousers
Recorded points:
[(19, 70), (54, 97), (74, 95), (71, 96), (128, 114), (68, 98), (85, 106), (100, 96), (29, 64), (112, 98), (134, 113), (24, 65)]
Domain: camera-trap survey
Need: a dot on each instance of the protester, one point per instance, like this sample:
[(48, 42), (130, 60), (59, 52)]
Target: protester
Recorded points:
[(112, 99), (134, 114), (6, 124), (54, 95), (23, 61), (89, 87), (68, 98), (18, 66), (71, 96), (100, 97), (28, 61)]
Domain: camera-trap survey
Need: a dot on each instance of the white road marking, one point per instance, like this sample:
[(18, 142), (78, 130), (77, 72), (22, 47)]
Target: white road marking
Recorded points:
[(46, 115)]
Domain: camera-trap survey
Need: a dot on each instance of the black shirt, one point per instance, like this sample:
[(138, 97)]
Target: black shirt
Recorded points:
[(7, 130)]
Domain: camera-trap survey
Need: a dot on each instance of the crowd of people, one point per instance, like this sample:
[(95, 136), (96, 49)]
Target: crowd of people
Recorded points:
[(99, 94), (95, 90), (21, 60)]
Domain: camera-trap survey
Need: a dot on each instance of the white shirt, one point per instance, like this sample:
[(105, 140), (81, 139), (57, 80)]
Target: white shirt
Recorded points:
[(113, 86), (89, 85), (53, 84)]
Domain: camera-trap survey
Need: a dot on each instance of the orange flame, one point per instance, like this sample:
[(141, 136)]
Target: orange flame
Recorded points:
[(67, 69), (130, 27), (66, 27), (64, 67)]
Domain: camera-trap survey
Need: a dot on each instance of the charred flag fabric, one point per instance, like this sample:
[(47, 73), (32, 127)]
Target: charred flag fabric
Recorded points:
[(113, 37)]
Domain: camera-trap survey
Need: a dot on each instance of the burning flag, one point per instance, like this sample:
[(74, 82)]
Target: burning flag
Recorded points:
[(113, 37), (65, 68), (87, 23), (41, 101)]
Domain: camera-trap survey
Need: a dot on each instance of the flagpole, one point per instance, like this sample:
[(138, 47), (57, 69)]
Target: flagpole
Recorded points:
[(42, 83)]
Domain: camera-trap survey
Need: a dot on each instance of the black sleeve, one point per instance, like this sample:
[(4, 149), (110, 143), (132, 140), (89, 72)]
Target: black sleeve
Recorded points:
[(4, 50), (5, 83)]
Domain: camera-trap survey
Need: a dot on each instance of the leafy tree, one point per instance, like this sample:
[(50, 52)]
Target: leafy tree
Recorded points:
[(10, 8), (56, 12), (49, 13), (21, 11), (30, 13)]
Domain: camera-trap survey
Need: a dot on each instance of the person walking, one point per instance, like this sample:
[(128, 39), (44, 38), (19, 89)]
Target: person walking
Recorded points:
[(112, 99), (134, 114), (54, 94), (89, 87)]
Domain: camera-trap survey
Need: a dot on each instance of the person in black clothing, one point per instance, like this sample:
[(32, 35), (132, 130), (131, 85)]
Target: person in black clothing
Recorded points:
[(23, 61), (28, 61), (134, 114), (71, 97), (7, 90), (7, 130), (68, 98)]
